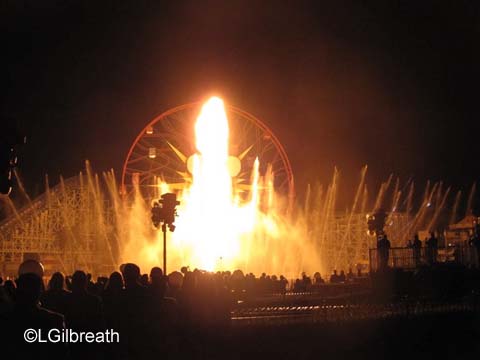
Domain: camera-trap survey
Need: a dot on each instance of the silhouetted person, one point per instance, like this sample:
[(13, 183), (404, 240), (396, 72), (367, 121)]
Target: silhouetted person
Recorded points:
[(350, 275), (84, 312), (383, 250), (298, 285), (112, 306), (158, 283), (416, 249), (334, 277), (100, 285), (27, 314), (10, 289), (318, 279), (307, 282), (136, 320), (55, 298), (475, 243), (342, 278), (283, 282), (91, 287), (114, 285), (432, 248), (112, 300), (144, 280), (164, 311)]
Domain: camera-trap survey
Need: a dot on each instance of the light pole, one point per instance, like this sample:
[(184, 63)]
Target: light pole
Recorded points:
[(164, 212)]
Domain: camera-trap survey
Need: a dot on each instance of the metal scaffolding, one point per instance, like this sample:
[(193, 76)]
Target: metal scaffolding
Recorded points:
[(73, 225), (66, 227), (347, 243)]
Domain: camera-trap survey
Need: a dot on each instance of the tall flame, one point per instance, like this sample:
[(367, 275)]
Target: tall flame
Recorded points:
[(211, 221), (215, 228)]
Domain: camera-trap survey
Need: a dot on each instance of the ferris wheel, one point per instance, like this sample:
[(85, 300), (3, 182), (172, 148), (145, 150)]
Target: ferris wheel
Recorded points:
[(163, 148)]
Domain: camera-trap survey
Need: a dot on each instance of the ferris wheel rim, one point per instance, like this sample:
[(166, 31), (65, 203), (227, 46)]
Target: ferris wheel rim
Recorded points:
[(241, 112)]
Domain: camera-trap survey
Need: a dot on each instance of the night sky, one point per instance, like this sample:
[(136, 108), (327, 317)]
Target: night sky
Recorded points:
[(390, 84)]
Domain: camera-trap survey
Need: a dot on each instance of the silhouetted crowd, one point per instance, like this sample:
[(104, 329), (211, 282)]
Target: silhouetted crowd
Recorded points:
[(152, 313), (308, 284)]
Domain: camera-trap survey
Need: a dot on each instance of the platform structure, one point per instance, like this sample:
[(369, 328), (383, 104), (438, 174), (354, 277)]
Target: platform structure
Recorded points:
[(345, 243), (74, 225), (66, 228)]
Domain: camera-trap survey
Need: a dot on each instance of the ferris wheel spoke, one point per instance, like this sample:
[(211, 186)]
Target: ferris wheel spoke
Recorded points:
[(151, 156)]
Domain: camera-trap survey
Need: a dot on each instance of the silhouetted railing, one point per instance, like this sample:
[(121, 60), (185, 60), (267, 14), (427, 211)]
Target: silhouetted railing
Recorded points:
[(277, 315), (411, 258)]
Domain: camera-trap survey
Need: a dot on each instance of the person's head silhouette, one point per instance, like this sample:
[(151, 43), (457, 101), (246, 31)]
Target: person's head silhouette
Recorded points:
[(156, 277), (115, 281), (79, 281), (29, 288), (131, 274), (57, 281)]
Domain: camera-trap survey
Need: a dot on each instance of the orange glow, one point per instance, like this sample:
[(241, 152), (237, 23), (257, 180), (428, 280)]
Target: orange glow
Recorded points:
[(211, 219), (224, 222)]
